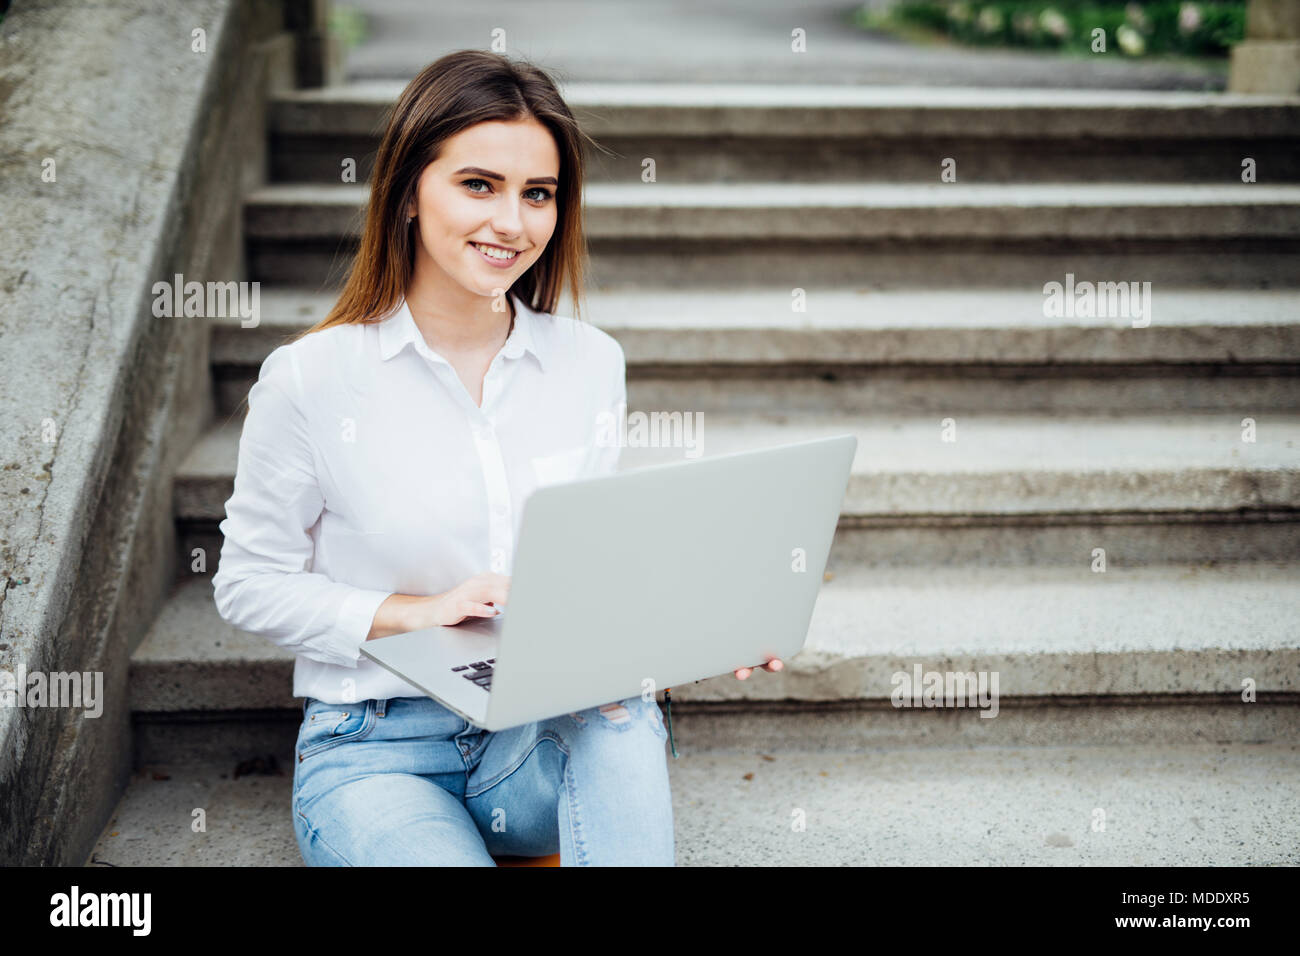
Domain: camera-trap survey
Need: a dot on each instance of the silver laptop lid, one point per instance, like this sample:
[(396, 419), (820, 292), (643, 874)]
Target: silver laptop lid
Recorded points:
[(665, 575)]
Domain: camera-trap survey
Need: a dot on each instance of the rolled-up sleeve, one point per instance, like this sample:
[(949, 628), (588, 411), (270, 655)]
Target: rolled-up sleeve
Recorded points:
[(614, 409), (262, 585)]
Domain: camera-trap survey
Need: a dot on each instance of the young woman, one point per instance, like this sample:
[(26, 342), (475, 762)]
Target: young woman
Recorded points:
[(381, 467)]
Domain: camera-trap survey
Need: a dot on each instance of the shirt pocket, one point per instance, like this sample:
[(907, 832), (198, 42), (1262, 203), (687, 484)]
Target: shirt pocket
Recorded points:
[(560, 467)]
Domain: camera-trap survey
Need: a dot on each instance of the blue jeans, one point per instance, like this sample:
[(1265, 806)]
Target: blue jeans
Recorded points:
[(407, 782)]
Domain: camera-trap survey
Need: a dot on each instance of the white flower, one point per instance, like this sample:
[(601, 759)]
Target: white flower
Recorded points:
[(1053, 23), (1130, 41), (990, 20), (1189, 18), (1136, 16)]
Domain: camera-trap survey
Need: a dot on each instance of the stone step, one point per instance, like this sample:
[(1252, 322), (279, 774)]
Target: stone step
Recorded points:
[(1012, 490), (856, 351), (811, 133), (1055, 637), (874, 235), (1029, 805)]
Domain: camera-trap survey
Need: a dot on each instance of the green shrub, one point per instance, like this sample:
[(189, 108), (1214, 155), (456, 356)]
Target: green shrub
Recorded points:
[(1188, 27)]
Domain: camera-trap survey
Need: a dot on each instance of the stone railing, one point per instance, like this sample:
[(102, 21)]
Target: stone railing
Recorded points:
[(1268, 59), (127, 142)]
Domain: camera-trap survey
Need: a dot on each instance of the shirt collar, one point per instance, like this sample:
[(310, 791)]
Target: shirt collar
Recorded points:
[(399, 330)]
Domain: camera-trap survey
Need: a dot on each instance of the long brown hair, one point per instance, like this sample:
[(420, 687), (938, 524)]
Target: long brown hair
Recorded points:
[(451, 94)]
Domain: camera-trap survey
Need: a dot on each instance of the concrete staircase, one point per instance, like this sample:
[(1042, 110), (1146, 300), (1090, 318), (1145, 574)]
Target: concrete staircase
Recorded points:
[(1120, 689)]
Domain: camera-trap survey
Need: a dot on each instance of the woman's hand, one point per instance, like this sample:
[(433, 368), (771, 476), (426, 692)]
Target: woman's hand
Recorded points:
[(483, 595), (773, 665)]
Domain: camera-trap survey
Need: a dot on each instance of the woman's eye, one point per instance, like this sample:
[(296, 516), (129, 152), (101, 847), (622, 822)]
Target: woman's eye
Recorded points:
[(543, 197)]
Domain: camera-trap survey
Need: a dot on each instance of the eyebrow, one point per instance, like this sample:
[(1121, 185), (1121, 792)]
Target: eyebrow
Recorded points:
[(488, 174)]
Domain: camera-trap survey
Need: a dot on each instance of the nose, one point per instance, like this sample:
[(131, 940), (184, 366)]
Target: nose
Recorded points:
[(506, 221)]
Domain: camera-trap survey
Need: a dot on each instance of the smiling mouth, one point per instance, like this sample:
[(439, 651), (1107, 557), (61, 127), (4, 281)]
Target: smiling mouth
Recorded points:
[(495, 252)]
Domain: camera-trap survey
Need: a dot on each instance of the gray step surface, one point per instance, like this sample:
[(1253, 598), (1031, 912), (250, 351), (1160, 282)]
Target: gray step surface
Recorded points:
[(879, 236), (857, 351), (755, 109), (881, 264), (234, 737), (1014, 490), (1126, 805), (857, 326), (738, 133), (1047, 632), (848, 211), (994, 465)]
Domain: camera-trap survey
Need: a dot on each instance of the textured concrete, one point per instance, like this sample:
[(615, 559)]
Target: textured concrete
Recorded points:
[(101, 396), (185, 738), (997, 464), (716, 132), (723, 109), (193, 660), (1162, 805), (848, 326), (1181, 805), (853, 211), (1015, 490), (1268, 60), (861, 352), (1047, 632), (795, 727), (810, 235)]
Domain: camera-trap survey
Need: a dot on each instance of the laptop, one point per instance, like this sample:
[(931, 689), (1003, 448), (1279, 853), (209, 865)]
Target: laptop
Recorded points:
[(641, 580)]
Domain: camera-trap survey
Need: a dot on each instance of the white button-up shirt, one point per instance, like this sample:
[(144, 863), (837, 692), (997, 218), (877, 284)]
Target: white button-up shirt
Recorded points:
[(365, 469)]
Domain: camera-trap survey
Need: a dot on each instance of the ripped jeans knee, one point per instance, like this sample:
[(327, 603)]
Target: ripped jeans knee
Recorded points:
[(623, 715)]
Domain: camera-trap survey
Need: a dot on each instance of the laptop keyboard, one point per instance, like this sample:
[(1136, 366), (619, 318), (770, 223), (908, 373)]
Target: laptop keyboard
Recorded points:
[(480, 672)]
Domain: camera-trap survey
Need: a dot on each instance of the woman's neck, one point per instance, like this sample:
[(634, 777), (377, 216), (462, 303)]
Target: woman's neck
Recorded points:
[(475, 328)]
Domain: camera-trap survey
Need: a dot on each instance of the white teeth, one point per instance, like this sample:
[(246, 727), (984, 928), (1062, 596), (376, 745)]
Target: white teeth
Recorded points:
[(494, 252)]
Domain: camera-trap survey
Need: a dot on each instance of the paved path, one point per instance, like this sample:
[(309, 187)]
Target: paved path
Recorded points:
[(712, 41)]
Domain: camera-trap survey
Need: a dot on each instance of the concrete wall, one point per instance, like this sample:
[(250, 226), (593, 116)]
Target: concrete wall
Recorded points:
[(1268, 59), (153, 145)]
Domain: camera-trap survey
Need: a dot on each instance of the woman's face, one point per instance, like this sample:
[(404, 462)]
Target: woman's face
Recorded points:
[(494, 185)]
